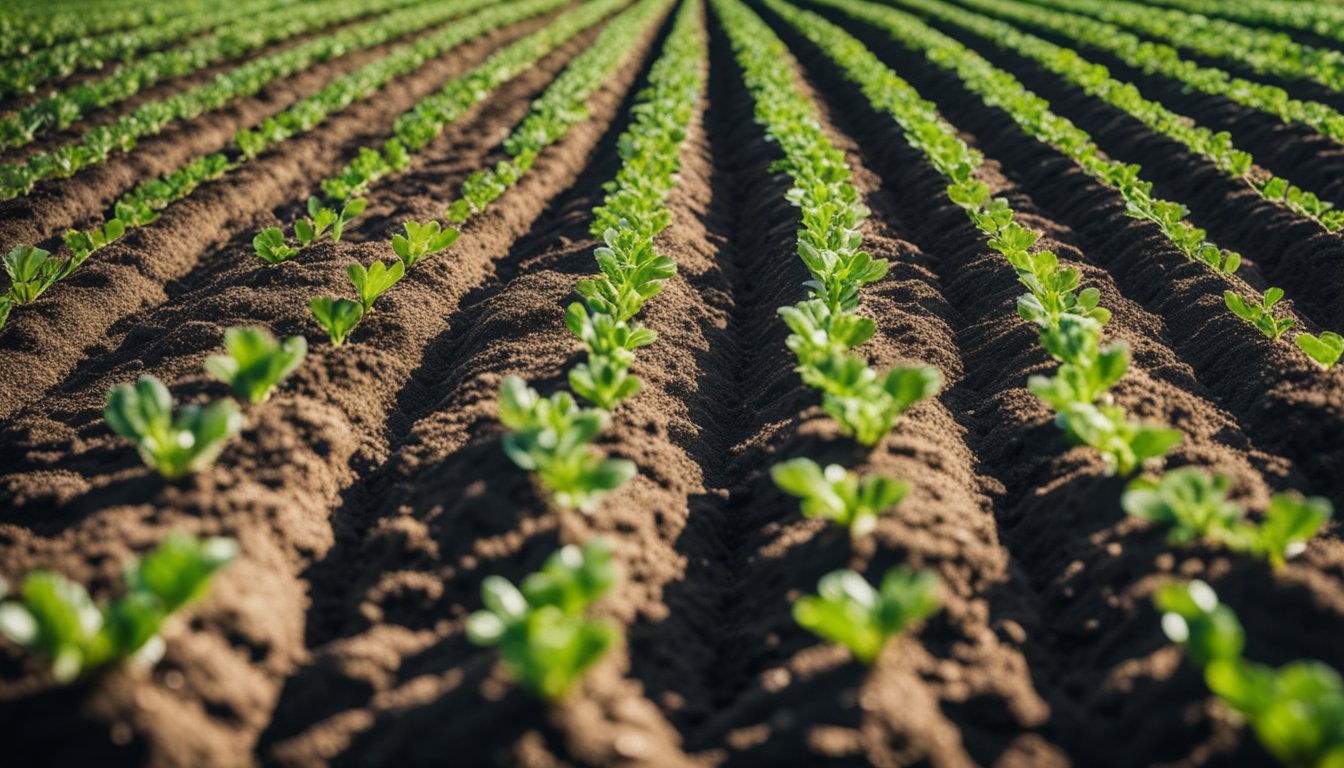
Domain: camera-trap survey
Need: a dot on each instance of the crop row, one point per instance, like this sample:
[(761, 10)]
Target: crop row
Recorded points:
[(1000, 89), (98, 143), (826, 328), (551, 437), (1324, 19), (1095, 79), (23, 33), (1262, 50), (546, 639), (33, 270), (1150, 56), (23, 74), (1293, 710), (559, 108), (62, 108)]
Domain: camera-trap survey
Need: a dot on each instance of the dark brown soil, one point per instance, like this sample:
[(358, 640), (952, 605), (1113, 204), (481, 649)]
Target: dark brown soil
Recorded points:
[(46, 340), (371, 495)]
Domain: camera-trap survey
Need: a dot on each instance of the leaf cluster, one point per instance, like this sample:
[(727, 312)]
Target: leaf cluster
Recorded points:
[(546, 639), (56, 617), (1296, 710), (1195, 505), (172, 443), (837, 494), (849, 611), (552, 438)]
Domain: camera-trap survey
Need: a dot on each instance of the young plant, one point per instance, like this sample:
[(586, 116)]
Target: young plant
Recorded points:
[(1296, 710), (256, 362), (632, 273), (865, 404), (55, 616), (319, 220), (551, 437), (31, 272), (1289, 523), (338, 317), (173, 445), (82, 244), (1192, 502), (847, 610), (1260, 315), (1195, 505), (819, 331), (1324, 349), (1087, 370), (310, 230), (836, 494), (422, 240), (603, 334), (1124, 444), (270, 246), (373, 282), (545, 638), (605, 379)]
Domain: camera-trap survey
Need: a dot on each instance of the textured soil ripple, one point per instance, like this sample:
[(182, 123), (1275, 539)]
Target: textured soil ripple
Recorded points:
[(43, 342), (1097, 655), (273, 490), (371, 495)]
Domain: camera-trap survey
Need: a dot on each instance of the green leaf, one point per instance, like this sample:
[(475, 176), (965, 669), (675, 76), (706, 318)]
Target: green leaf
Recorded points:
[(848, 611), (256, 362), (338, 317), (1324, 349)]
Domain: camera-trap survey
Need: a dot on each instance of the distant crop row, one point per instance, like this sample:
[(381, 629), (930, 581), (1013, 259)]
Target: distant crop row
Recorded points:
[(97, 144), (1032, 114), (33, 270), (550, 117), (1095, 79), (24, 73)]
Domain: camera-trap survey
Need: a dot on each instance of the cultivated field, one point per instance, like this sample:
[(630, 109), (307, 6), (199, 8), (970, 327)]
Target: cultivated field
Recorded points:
[(672, 383)]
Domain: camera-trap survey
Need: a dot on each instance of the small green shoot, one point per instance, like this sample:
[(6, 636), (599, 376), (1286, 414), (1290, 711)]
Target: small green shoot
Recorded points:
[(56, 617), (847, 610), (1324, 349), (546, 640), (270, 246), (173, 445), (1296, 710), (373, 282), (338, 317), (256, 362), (551, 437), (422, 240), (1195, 505), (1261, 315), (31, 272), (836, 494)]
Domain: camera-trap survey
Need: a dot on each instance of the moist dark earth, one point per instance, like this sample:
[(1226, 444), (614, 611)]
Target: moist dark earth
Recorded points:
[(370, 496)]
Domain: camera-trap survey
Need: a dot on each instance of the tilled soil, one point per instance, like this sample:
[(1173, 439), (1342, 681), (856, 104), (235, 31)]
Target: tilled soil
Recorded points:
[(370, 495)]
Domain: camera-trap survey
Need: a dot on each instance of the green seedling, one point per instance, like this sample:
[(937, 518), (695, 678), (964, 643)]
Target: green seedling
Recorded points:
[(847, 610), (256, 362), (172, 445), (838, 495), (546, 640), (338, 317)]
